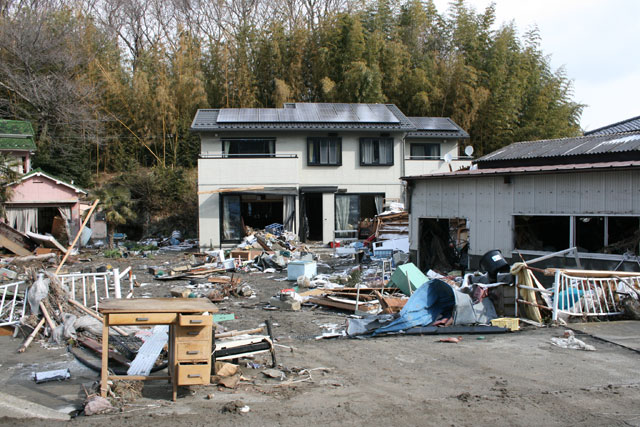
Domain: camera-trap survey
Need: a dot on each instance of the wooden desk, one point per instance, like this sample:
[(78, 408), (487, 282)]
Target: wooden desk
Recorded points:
[(190, 336)]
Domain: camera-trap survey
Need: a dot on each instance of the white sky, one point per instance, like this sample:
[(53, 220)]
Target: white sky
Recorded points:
[(597, 42)]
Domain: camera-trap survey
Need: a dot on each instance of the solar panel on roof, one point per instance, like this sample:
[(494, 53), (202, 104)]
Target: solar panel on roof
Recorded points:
[(433, 123), (268, 115), (228, 115), (311, 113)]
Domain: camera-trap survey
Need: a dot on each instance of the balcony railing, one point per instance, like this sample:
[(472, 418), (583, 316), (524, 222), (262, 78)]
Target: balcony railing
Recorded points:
[(249, 156)]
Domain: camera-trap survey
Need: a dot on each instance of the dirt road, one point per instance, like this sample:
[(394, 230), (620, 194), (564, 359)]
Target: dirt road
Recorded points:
[(510, 379)]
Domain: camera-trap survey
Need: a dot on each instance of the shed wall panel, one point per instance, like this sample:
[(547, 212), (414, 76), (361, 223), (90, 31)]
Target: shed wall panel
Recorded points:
[(489, 203)]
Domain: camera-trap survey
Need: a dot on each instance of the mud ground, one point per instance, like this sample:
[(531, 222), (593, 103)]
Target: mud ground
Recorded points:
[(509, 379)]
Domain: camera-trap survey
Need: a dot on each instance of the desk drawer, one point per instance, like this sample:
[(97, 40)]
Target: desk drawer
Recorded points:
[(193, 374), (193, 350), (142, 318), (189, 333), (195, 320)]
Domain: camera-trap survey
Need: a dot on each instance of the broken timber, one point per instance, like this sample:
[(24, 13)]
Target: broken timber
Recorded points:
[(15, 241)]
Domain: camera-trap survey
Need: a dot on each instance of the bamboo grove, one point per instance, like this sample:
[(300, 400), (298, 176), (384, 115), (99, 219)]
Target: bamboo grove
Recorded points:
[(112, 86)]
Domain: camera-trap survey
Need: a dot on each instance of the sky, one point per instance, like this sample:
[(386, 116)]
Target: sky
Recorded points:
[(596, 41)]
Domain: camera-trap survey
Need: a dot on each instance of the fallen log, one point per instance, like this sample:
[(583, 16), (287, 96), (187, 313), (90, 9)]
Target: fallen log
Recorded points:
[(30, 258), (31, 336)]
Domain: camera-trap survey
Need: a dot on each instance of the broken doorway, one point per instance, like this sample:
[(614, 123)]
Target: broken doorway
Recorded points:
[(443, 244), (256, 211), (312, 216), (356, 212)]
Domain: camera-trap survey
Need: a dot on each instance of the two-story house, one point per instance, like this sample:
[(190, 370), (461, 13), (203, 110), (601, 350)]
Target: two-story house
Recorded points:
[(313, 167)]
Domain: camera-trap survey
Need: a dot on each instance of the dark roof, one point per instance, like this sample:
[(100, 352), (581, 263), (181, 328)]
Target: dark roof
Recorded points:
[(528, 170), (567, 147), (16, 135), (441, 127), (629, 125), (316, 116)]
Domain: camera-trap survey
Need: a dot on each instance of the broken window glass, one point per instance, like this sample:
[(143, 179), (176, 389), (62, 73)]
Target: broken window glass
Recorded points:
[(231, 218), (623, 235), (590, 233), (542, 233)]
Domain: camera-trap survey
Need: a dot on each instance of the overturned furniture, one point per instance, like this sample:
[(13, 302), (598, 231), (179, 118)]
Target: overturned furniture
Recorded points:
[(234, 345)]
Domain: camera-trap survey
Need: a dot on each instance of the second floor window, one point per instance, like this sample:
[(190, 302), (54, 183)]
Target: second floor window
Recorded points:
[(425, 151), (324, 151), (249, 147), (376, 151)]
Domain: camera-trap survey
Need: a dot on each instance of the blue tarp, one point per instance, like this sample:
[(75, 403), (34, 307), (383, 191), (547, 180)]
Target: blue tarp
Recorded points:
[(429, 301)]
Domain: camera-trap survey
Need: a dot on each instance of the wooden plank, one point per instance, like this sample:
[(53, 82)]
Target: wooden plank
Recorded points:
[(104, 373), (230, 190), (343, 306), (31, 336), (84, 224), (13, 246), (157, 305), (97, 347)]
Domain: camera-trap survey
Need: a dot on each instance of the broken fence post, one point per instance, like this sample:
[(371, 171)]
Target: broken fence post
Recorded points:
[(116, 283)]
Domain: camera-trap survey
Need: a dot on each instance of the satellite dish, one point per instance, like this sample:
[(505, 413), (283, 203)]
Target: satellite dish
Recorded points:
[(468, 150), (448, 157)]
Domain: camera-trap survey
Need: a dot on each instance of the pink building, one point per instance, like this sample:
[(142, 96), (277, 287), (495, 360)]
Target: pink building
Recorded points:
[(37, 198)]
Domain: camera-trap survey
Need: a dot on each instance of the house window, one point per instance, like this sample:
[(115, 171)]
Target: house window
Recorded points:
[(592, 234), (324, 151), (425, 151), (542, 233), (249, 147), (356, 212), (376, 151)]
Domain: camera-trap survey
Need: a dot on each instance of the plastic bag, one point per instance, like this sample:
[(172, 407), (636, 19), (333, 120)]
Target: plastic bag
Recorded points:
[(37, 292)]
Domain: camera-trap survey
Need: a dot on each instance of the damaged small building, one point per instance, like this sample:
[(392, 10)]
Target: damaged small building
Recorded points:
[(318, 169), (534, 198)]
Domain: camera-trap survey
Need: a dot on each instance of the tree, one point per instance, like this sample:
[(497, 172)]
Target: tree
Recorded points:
[(115, 202), (7, 176)]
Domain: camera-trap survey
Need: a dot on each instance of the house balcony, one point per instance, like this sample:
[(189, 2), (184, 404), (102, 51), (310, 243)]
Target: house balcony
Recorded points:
[(427, 165), (246, 170)]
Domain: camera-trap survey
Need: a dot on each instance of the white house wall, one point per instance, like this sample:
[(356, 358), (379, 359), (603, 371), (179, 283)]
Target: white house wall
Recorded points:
[(488, 203), (216, 173)]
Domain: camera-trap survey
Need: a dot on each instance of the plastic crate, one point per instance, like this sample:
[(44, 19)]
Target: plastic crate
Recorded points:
[(383, 253), (275, 229), (511, 323)]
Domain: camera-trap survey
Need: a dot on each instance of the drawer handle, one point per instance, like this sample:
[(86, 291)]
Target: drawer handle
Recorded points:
[(142, 319), (195, 321), (192, 333), (193, 352), (193, 376)]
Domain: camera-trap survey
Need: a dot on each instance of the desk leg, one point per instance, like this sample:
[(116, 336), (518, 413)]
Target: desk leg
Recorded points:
[(104, 375)]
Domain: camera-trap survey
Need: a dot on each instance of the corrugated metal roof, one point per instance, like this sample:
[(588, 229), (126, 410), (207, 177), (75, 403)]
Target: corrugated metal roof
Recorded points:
[(440, 127), (629, 125), (320, 116), (574, 167), (584, 145), (16, 135)]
